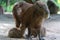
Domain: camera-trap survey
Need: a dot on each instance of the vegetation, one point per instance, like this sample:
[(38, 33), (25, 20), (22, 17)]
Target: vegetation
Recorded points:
[(8, 4), (57, 2)]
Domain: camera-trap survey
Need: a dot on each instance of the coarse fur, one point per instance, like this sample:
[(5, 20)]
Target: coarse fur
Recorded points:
[(31, 17)]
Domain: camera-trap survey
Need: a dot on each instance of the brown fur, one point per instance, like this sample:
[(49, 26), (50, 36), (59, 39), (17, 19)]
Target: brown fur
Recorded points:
[(33, 18), (14, 33), (30, 18), (17, 16)]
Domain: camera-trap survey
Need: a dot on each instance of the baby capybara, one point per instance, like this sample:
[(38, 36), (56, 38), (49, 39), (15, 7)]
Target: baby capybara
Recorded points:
[(14, 33)]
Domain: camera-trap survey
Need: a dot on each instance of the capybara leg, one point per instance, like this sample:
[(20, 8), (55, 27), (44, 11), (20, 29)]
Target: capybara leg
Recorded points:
[(22, 30)]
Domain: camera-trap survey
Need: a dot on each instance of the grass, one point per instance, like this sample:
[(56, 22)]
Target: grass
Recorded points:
[(9, 8)]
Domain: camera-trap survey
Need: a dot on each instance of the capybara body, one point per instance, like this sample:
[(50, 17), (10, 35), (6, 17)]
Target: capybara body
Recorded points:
[(31, 17)]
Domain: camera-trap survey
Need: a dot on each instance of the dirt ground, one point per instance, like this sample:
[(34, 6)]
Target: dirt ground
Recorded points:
[(52, 26)]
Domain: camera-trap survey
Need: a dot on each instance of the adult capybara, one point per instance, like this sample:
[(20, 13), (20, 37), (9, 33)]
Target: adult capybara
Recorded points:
[(33, 18), (18, 9), (30, 17)]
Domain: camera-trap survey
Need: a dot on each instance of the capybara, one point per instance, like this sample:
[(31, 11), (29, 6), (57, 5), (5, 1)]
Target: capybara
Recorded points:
[(30, 16)]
